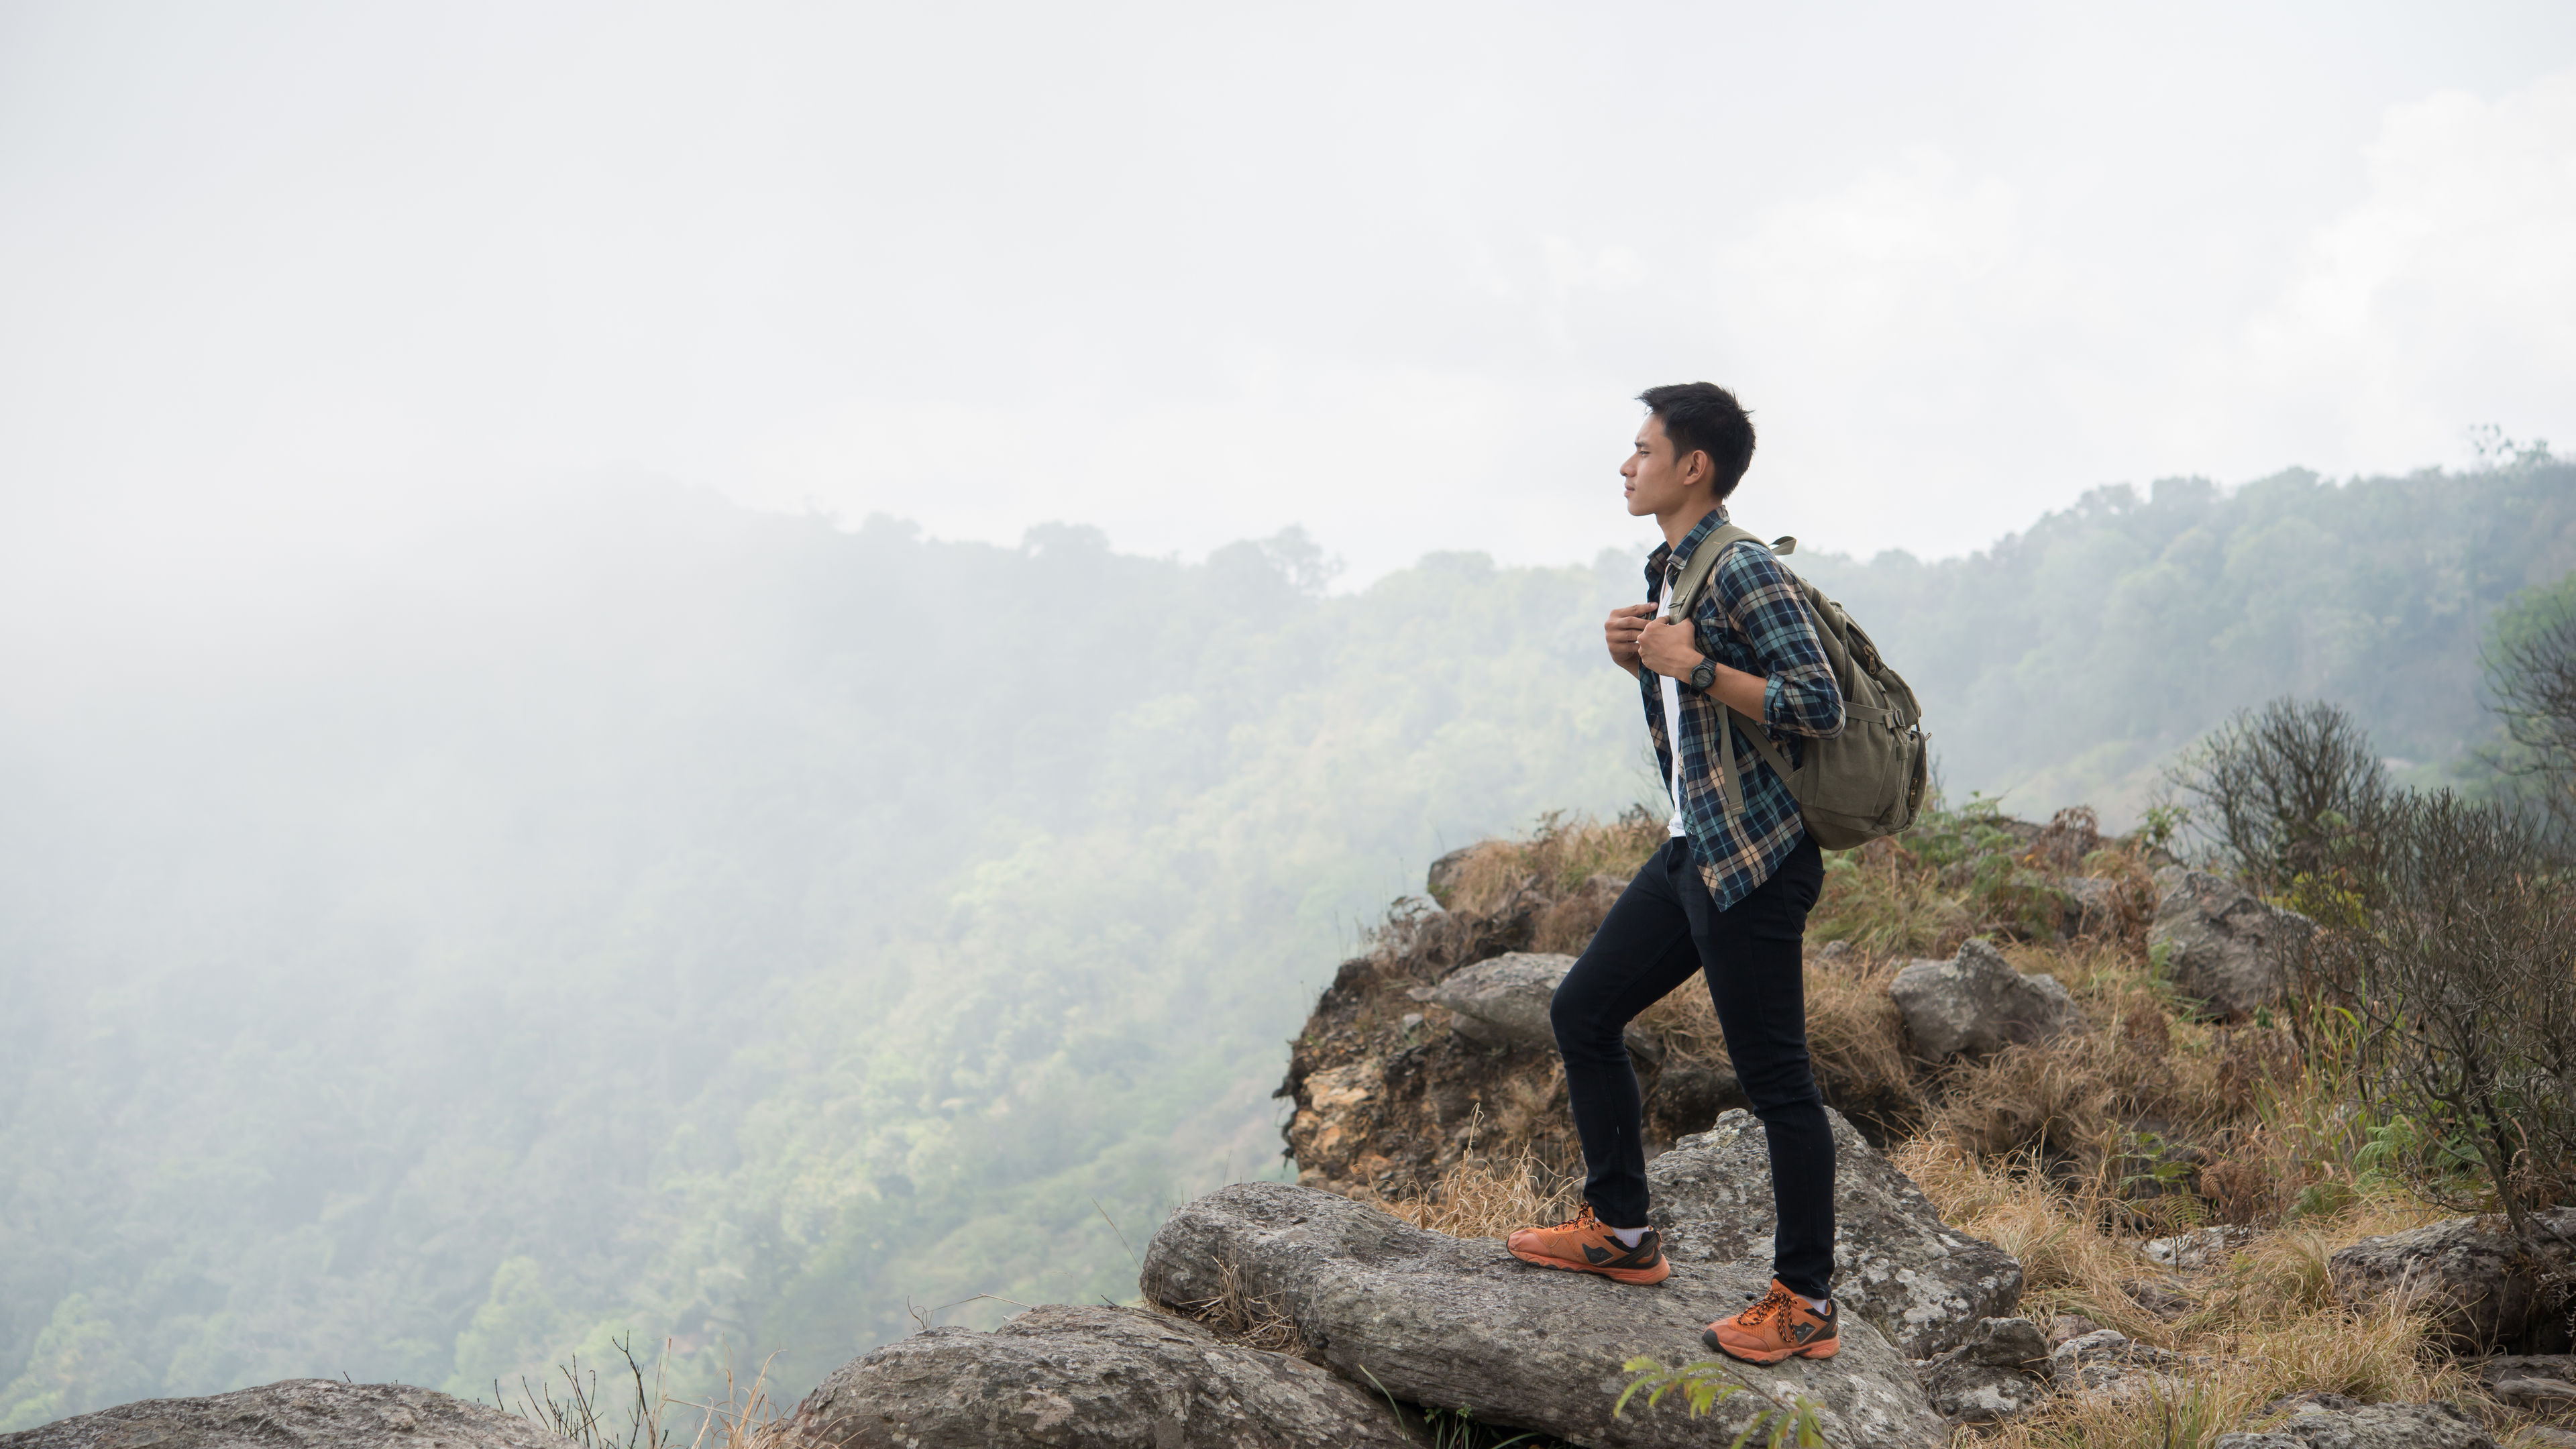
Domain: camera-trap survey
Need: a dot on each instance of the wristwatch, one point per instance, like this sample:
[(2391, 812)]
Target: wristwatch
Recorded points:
[(1703, 675)]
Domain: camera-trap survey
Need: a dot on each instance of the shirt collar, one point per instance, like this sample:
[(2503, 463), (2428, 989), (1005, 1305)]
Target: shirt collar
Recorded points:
[(1668, 555)]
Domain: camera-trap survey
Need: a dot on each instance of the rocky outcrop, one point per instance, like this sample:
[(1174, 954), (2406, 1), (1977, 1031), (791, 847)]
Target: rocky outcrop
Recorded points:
[(2000, 1371), (2481, 1284), (2368, 1426), (2220, 945), (295, 1414), (1087, 1378), (1896, 1264), (1458, 1323), (1976, 1002)]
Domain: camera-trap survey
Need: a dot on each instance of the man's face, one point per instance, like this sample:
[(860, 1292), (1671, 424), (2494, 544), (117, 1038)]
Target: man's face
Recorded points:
[(1657, 481)]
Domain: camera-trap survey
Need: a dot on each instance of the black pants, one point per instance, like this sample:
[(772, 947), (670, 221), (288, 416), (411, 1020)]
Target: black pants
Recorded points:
[(1665, 928)]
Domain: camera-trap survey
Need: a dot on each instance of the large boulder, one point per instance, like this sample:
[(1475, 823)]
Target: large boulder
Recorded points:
[(2368, 1426), (1087, 1378), (1458, 1323), (2221, 945), (1896, 1264), (2000, 1371), (2482, 1286), (1503, 1001), (1976, 1002), (295, 1414)]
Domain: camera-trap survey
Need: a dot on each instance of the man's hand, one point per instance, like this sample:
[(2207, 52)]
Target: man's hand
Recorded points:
[(1669, 649), (1621, 632)]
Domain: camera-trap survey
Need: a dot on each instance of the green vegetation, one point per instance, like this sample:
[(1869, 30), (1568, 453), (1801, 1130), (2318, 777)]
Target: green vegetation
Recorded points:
[(664, 924)]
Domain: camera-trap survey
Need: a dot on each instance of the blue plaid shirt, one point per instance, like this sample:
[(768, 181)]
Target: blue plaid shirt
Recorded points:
[(1751, 617)]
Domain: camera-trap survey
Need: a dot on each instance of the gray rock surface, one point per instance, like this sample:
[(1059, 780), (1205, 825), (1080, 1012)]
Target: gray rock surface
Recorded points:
[(2106, 1359), (1502, 1001), (1458, 1323), (2201, 1248), (2372, 1426), (2000, 1371), (2221, 945), (1070, 1377), (1976, 1002), (1896, 1264), (295, 1414), (2468, 1270)]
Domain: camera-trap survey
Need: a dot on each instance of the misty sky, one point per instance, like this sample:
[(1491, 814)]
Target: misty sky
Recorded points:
[(277, 280)]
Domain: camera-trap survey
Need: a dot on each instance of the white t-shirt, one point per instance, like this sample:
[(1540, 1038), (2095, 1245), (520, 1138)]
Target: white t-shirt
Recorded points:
[(1672, 730)]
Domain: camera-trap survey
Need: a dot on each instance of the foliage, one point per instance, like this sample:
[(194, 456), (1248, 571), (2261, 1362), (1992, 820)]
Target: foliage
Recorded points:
[(2462, 981), (2531, 671), (1706, 1383), (2290, 793)]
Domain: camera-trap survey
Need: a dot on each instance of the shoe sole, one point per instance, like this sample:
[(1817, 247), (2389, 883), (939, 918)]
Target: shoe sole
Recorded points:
[(1826, 1349), (1655, 1274)]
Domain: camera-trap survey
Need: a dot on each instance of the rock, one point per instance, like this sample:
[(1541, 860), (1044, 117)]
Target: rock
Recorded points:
[(1976, 1002), (2067, 1326), (2157, 1299), (1075, 1377), (2205, 1248), (2107, 1358), (2000, 1371), (1896, 1264), (2469, 1271), (2531, 1393), (2547, 1436), (1441, 881), (2529, 1366), (1693, 1094), (2371, 1426), (1503, 1001), (2221, 945), (295, 1414), (1458, 1323), (2094, 906)]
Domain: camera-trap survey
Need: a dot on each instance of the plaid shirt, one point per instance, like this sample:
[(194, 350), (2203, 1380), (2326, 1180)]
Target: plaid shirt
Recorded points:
[(1751, 617)]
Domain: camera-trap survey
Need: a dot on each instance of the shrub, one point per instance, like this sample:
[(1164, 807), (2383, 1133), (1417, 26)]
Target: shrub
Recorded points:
[(2462, 980), (2293, 791)]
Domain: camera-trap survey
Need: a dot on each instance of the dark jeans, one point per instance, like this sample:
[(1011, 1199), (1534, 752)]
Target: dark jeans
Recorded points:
[(1665, 928)]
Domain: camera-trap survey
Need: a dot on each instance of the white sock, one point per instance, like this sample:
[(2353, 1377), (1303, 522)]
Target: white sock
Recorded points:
[(1817, 1306), (1629, 1237)]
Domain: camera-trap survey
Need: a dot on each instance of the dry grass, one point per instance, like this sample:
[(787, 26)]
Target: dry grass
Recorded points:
[(2267, 1324), (1558, 858), (1488, 1198), (1239, 1315)]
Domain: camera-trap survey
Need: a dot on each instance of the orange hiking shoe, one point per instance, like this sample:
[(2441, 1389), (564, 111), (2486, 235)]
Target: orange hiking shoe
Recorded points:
[(1780, 1326), (1587, 1247)]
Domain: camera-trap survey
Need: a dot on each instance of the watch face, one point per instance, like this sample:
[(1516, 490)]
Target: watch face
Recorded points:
[(1704, 675)]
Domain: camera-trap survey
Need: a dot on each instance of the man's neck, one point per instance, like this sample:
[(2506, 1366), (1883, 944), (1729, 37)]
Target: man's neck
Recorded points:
[(1678, 523)]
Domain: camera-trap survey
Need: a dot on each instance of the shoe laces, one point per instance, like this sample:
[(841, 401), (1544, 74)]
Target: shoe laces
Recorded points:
[(1581, 1219), (1775, 1301)]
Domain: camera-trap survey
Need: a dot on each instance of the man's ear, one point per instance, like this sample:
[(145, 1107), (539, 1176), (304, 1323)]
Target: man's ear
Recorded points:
[(1698, 468)]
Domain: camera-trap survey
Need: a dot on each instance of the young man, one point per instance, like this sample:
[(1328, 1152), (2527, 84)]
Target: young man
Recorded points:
[(1726, 896)]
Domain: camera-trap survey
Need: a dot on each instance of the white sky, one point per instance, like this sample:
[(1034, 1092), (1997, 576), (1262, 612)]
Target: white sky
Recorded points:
[(273, 276)]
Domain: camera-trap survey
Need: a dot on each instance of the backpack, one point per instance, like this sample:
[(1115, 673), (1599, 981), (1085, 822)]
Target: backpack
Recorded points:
[(1862, 784)]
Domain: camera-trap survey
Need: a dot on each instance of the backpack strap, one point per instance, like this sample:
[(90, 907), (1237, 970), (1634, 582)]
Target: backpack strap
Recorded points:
[(1681, 603)]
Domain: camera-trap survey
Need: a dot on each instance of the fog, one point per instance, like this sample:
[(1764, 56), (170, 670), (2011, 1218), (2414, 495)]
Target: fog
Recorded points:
[(725, 675)]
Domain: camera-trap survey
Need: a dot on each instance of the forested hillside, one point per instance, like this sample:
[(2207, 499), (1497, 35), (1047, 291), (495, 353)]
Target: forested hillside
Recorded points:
[(650, 917)]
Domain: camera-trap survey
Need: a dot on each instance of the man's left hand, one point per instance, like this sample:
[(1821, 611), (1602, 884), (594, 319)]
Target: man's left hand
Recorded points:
[(1669, 649)]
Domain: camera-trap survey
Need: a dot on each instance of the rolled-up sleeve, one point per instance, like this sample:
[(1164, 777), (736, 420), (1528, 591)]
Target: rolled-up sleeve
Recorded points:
[(1763, 603)]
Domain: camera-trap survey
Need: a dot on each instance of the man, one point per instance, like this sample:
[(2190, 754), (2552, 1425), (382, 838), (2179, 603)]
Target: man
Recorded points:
[(1727, 894)]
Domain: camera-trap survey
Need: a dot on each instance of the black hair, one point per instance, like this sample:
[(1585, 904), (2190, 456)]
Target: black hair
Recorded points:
[(1703, 417)]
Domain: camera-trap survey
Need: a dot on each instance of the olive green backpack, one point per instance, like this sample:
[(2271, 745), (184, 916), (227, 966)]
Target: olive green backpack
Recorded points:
[(1862, 784)]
